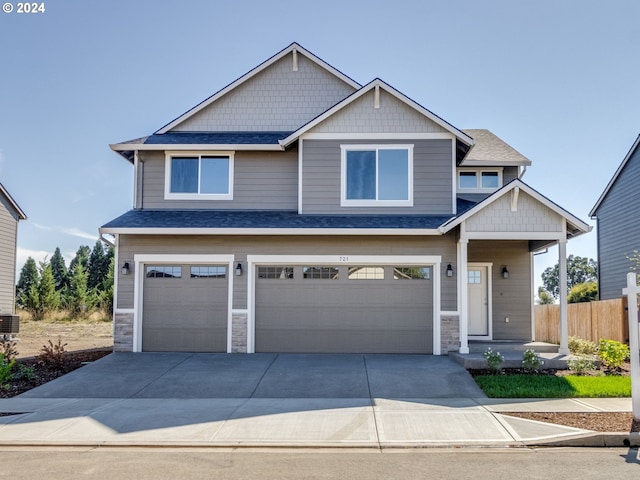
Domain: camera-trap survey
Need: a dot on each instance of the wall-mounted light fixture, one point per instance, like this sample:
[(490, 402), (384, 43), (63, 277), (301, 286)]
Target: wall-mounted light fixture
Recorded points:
[(449, 270), (505, 272), (125, 268), (238, 269)]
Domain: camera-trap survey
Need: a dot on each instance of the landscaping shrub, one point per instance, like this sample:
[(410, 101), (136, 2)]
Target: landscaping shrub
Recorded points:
[(53, 354), (5, 369), (579, 346), (530, 361), (612, 353), (581, 365), (494, 359)]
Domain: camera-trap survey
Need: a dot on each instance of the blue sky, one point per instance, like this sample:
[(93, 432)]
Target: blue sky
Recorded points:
[(556, 79)]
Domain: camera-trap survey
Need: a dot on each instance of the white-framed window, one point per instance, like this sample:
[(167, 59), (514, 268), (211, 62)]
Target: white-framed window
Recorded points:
[(376, 176), (198, 176), (479, 181)]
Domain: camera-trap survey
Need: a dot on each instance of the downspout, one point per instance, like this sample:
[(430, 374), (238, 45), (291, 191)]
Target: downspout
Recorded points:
[(522, 172)]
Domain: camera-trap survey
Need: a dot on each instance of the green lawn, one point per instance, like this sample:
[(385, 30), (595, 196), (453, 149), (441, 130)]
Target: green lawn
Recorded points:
[(549, 386)]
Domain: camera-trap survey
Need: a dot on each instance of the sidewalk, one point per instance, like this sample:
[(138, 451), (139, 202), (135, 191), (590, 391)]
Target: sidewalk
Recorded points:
[(291, 422)]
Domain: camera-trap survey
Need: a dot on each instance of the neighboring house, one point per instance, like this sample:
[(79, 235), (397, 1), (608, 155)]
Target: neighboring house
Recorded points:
[(618, 229), (296, 210), (10, 215)]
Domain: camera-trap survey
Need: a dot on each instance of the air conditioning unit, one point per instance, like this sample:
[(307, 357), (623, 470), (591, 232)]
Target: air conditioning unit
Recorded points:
[(9, 323)]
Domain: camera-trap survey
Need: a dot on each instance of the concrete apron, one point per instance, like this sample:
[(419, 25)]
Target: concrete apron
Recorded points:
[(268, 400)]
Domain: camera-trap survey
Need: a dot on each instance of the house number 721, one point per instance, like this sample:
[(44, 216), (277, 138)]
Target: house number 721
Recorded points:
[(344, 259)]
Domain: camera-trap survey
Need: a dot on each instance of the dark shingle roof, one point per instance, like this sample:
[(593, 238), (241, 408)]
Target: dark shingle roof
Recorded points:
[(268, 219), (216, 138)]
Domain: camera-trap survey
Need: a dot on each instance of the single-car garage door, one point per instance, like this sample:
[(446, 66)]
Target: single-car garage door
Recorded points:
[(344, 309), (185, 308)]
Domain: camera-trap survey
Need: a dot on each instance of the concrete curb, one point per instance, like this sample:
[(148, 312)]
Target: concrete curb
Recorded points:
[(595, 439)]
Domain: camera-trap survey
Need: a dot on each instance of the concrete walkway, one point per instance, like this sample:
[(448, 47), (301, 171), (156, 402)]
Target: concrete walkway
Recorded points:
[(371, 401)]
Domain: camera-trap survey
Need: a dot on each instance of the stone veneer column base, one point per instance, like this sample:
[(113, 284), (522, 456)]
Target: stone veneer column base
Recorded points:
[(239, 332), (449, 333), (123, 332)]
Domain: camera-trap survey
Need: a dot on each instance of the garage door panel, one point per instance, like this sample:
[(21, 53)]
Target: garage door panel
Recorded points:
[(344, 316), (185, 314)]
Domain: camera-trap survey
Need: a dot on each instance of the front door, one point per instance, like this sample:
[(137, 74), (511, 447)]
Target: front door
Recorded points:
[(478, 297)]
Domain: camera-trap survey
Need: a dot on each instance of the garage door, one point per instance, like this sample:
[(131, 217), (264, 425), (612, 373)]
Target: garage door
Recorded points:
[(185, 308), (344, 309)]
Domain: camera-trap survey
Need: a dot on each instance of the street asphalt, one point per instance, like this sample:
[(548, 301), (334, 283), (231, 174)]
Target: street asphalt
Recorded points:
[(285, 400)]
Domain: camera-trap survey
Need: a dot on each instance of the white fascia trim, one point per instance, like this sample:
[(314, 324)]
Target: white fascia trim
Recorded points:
[(253, 72), (592, 213), (377, 136), (273, 231), (209, 147), (389, 89), (513, 235), (141, 259), (254, 260), (495, 163), (454, 179), (12, 202), (300, 174)]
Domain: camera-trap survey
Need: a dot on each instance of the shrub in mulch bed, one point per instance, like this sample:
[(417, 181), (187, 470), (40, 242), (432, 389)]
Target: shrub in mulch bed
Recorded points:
[(29, 373)]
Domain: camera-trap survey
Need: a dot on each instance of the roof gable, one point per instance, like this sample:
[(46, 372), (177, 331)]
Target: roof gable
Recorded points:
[(575, 226), (18, 211), (634, 149), (261, 100), (490, 150)]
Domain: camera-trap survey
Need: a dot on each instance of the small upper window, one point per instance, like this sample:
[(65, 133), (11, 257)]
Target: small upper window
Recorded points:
[(479, 181), (199, 176), (377, 175), (164, 271)]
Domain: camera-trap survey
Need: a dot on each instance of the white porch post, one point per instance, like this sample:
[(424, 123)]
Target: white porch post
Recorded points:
[(562, 285), (462, 295), (632, 291)]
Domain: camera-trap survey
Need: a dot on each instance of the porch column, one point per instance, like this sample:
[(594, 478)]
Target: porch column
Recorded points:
[(463, 294), (562, 284)]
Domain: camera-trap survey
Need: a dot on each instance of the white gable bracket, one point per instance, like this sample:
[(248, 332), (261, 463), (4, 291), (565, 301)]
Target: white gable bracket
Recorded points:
[(514, 199), (376, 97), (295, 60)]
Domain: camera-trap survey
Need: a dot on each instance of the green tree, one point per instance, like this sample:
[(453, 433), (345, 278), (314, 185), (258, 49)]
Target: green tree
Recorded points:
[(583, 292), (579, 270), (98, 265), (59, 270), (106, 295), (42, 296), (82, 257), (78, 299), (544, 297), (28, 277)]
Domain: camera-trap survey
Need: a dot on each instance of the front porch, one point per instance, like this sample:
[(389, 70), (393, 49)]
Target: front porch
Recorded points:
[(512, 352)]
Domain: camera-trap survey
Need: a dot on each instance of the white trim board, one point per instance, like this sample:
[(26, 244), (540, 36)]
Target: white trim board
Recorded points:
[(254, 260)]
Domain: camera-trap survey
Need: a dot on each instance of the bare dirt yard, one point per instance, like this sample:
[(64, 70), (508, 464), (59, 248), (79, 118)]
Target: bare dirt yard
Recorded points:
[(77, 334)]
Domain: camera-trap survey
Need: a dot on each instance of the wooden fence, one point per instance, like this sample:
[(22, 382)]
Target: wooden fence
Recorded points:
[(589, 320)]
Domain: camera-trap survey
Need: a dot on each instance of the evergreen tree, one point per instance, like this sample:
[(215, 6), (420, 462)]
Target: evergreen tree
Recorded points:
[(82, 257), (78, 297), (59, 270), (28, 278), (98, 265), (106, 295), (49, 298)]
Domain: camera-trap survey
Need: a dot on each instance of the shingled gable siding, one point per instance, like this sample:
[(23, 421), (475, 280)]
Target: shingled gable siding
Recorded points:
[(262, 180), (241, 246), (276, 99), (432, 178), (512, 297), (8, 229), (619, 229), (530, 216)]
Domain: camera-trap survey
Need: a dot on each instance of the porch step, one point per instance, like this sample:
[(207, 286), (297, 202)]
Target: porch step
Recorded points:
[(478, 346)]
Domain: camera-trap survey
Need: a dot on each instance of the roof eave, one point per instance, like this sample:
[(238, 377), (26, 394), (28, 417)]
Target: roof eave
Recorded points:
[(268, 231), (495, 163), (14, 204)]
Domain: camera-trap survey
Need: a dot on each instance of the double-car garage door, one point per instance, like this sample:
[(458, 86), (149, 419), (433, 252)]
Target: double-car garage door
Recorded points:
[(344, 309), (298, 308)]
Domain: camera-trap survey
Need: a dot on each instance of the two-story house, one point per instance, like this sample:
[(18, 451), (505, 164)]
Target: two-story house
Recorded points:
[(10, 215), (296, 210), (618, 237)]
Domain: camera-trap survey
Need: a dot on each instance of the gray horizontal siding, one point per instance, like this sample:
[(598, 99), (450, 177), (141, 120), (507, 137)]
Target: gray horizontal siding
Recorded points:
[(8, 230), (241, 246), (262, 180), (619, 229), (508, 174), (512, 297), (432, 180)]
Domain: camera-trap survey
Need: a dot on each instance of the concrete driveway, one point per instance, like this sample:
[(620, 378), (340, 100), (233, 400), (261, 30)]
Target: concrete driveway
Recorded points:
[(184, 375)]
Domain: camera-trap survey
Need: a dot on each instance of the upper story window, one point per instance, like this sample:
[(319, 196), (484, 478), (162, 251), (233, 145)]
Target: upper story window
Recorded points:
[(199, 176), (377, 175), (479, 181)]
